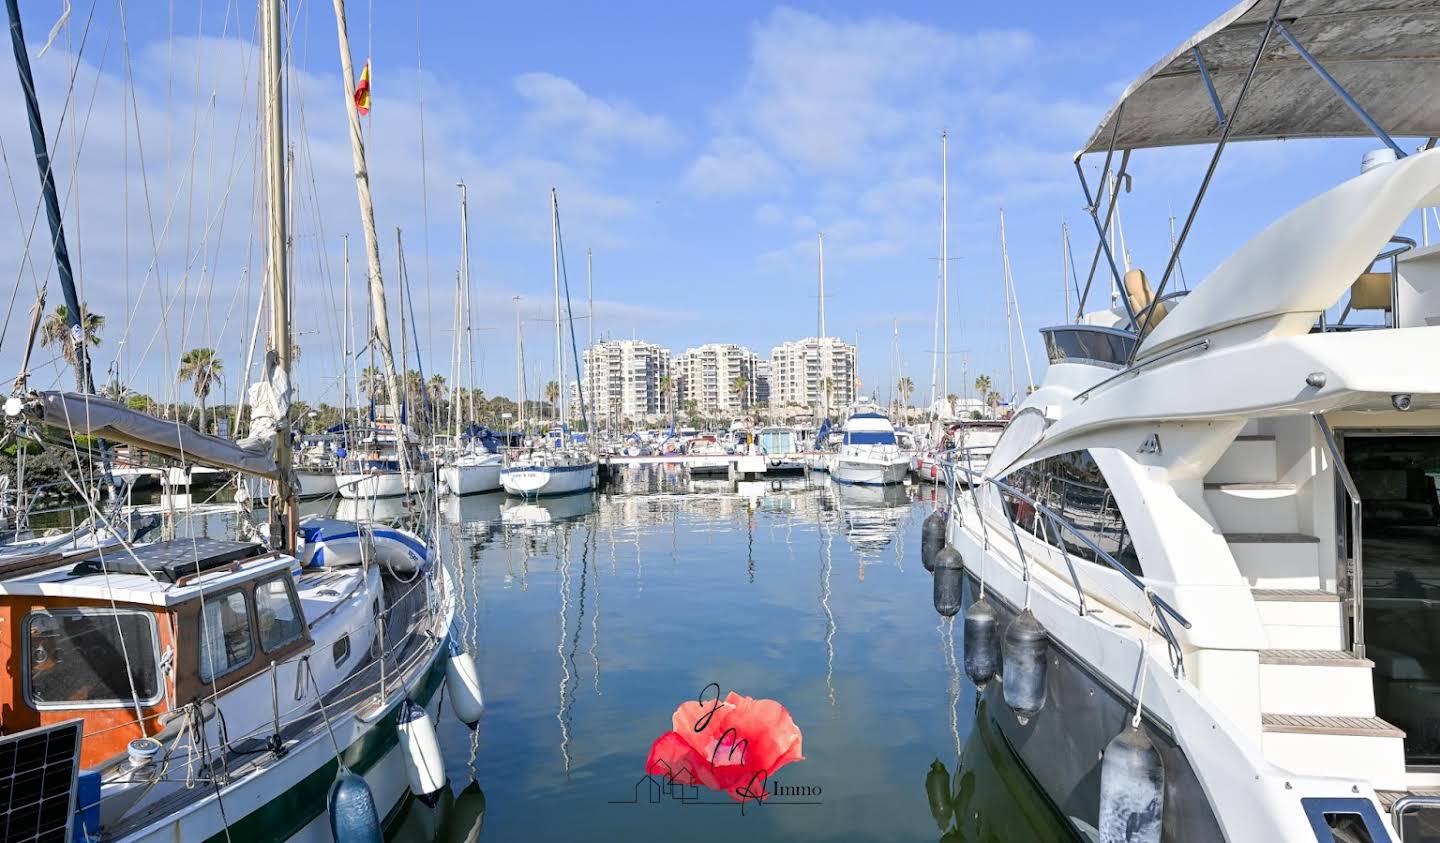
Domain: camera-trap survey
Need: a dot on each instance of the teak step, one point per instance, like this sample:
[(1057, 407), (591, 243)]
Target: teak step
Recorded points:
[(1271, 538), (1314, 658), (1252, 487), (1388, 798), (1319, 724), (1294, 595)]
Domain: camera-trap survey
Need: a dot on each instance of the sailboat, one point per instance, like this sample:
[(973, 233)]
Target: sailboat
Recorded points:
[(201, 688), (472, 462), (557, 467)]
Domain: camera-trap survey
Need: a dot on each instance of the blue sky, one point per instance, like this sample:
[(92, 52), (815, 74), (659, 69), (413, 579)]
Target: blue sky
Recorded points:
[(697, 149)]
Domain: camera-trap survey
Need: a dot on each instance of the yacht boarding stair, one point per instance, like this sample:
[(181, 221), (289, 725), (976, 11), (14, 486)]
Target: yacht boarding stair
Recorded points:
[(1316, 698)]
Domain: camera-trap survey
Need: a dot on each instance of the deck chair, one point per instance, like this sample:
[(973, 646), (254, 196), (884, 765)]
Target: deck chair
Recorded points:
[(1137, 289), (1371, 291)]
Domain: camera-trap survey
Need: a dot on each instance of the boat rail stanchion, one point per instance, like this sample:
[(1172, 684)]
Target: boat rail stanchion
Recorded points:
[(1408, 803), (1355, 586)]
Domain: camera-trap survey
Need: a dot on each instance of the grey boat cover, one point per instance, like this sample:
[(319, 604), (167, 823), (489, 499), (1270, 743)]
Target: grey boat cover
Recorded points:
[(1385, 53), (92, 415)]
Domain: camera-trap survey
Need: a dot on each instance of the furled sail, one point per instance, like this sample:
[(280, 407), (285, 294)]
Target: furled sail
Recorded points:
[(92, 415)]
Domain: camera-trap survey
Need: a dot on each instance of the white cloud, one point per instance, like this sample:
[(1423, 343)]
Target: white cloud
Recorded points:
[(558, 105), (734, 165)]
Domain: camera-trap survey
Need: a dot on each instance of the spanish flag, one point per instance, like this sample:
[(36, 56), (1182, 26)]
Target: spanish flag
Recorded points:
[(362, 91)]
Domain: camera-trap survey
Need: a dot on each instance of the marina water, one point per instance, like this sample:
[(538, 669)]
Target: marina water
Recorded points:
[(592, 617)]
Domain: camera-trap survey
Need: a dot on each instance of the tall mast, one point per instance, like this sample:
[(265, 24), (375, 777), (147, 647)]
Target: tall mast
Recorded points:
[(590, 322), (1005, 280), (380, 316), (464, 299), (559, 345), (84, 381), (345, 334), (945, 258), (519, 368), (821, 298), (1065, 267), (279, 270)]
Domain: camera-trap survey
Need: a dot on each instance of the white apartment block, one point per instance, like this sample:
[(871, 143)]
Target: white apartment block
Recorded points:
[(623, 380), (706, 375), (798, 372)]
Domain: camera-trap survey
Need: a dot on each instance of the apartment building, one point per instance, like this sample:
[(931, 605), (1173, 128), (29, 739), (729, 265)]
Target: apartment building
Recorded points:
[(708, 375), (815, 371), (624, 380)]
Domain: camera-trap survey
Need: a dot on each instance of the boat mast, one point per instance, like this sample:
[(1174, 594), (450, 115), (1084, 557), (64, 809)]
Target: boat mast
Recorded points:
[(283, 528), (463, 308), (945, 260), (820, 330), (559, 345), (519, 368), (84, 381), (380, 317)]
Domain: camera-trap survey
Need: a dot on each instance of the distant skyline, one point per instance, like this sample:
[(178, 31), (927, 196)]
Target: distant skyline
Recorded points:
[(696, 150)]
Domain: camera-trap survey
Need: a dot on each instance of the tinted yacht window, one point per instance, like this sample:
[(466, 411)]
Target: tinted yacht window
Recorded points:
[(1072, 486)]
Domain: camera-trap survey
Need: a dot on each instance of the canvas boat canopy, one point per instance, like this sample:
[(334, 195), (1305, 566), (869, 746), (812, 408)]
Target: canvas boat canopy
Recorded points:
[(1384, 53), (92, 415)]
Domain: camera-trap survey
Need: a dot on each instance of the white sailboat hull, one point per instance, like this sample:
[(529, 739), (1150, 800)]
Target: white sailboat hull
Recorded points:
[(315, 484), (472, 478), (534, 481), (383, 484)]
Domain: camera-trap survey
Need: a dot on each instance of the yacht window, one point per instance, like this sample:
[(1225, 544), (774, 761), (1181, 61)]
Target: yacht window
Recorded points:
[(340, 650), (1071, 486), (77, 658), (225, 629), (277, 614)]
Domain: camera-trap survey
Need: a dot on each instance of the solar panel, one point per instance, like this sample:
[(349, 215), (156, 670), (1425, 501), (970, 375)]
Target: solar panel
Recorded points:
[(37, 783)]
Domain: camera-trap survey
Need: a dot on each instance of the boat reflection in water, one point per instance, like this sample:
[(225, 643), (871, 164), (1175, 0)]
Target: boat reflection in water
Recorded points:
[(593, 615)]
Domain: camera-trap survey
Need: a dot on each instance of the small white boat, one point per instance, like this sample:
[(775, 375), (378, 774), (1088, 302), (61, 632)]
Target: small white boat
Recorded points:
[(707, 456), (471, 474), (869, 454), (315, 483), (550, 471), (782, 449)]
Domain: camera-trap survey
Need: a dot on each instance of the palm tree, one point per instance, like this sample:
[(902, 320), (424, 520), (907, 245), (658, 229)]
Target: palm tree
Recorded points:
[(55, 330), (829, 385), (667, 383), (203, 369), (982, 386), (552, 394), (116, 391), (372, 383), (740, 388), (907, 389)]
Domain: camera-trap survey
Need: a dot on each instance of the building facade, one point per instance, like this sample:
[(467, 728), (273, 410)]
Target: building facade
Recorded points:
[(624, 381), (813, 372), (709, 376)]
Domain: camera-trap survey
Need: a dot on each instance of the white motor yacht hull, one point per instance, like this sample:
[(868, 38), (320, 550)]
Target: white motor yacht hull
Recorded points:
[(315, 484), (862, 472)]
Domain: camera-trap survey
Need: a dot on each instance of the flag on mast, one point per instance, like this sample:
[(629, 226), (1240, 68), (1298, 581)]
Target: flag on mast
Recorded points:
[(362, 90)]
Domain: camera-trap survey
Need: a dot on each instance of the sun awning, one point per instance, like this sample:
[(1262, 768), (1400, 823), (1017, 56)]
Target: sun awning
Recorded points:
[(95, 416), (1384, 53)]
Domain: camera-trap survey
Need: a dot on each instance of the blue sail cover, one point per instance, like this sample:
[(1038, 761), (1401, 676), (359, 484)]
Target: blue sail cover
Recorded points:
[(823, 432)]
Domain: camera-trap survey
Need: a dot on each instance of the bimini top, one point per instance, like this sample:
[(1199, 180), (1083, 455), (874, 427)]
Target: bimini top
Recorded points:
[(869, 429), (1385, 53)]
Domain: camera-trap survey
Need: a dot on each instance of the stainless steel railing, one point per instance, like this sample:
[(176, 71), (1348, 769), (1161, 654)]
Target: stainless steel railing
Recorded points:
[(1355, 587), (1060, 525)]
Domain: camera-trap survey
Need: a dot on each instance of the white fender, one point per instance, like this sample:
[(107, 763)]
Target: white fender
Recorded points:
[(462, 680), (425, 766)]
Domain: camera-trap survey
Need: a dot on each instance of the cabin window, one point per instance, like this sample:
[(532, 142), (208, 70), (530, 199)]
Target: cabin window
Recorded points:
[(78, 657), (1071, 486), (225, 628), (278, 614), (340, 650)]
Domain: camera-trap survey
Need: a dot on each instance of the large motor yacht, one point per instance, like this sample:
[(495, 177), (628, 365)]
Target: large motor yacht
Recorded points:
[(1209, 539)]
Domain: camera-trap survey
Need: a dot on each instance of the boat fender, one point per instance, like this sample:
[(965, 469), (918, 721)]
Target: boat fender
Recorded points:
[(1024, 664), (425, 767), (949, 577), (932, 538), (353, 817), (1132, 789), (982, 643), (937, 791), (463, 682)]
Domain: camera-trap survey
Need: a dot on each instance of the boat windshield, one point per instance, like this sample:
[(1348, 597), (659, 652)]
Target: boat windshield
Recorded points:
[(869, 437)]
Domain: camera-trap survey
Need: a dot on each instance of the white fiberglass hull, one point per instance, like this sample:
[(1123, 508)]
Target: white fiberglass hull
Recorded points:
[(382, 484), (535, 481), (315, 484), (863, 472), (471, 479)]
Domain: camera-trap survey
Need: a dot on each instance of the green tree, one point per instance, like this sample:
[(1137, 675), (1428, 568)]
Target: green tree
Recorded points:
[(372, 383), (740, 388), (202, 369), (906, 388), (982, 386), (552, 395), (55, 330)]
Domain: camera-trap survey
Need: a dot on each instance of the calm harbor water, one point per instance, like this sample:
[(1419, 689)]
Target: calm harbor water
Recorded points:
[(593, 617)]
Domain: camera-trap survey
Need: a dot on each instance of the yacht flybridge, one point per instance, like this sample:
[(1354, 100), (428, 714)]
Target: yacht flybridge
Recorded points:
[(1209, 539)]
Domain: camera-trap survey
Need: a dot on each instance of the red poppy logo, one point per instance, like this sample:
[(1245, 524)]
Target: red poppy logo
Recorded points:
[(732, 745)]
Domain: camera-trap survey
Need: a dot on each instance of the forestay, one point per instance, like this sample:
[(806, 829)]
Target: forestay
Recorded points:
[(1382, 52)]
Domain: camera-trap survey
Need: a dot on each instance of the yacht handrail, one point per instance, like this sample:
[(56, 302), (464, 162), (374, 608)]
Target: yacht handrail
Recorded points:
[(1135, 367), (1160, 606), (1406, 804), (1357, 635)]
